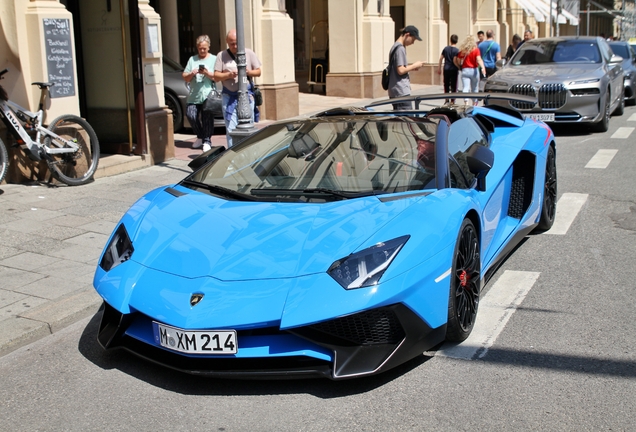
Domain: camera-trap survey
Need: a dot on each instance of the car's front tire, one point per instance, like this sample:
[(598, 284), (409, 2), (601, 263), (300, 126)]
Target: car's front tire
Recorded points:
[(548, 208), (620, 109), (177, 113), (465, 286), (603, 124)]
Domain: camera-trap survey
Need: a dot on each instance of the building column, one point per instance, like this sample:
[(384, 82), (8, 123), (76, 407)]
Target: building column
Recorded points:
[(51, 55), (429, 20), (360, 37), (274, 46), (38, 45), (159, 132)]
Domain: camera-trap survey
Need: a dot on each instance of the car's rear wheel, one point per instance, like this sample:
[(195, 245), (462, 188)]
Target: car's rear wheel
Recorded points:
[(177, 113), (620, 109), (548, 209), (465, 284), (603, 124)]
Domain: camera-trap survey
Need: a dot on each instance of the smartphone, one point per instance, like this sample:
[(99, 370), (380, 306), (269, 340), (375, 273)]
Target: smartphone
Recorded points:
[(201, 68)]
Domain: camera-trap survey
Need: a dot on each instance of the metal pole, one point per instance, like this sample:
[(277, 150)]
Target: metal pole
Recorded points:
[(245, 127), (588, 18)]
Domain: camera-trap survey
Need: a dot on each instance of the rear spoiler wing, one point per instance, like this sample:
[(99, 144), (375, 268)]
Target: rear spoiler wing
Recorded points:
[(486, 97)]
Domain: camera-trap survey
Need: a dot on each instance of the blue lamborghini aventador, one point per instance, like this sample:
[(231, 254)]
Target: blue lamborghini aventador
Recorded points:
[(339, 245)]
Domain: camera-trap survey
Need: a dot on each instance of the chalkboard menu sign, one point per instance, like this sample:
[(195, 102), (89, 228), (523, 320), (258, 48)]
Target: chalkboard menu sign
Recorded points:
[(59, 56)]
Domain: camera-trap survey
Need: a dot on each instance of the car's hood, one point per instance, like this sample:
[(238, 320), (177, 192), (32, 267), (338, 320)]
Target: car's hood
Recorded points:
[(200, 235), (547, 72)]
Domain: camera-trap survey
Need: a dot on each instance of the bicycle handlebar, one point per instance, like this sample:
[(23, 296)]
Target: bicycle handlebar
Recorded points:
[(4, 71)]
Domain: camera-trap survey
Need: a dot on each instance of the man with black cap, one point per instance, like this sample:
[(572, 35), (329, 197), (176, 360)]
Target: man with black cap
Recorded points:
[(399, 81)]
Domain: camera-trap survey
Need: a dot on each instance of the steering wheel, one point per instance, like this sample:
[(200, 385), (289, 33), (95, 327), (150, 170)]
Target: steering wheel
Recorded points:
[(582, 59)]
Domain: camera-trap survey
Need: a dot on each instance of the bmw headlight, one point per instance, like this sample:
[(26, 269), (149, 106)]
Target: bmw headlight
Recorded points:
[(587, 81), (497, 83), (119, 250), (365, 268)]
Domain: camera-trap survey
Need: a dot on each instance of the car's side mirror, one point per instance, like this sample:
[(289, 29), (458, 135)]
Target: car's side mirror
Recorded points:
[(480, 160), (616, 59), (500, 63)]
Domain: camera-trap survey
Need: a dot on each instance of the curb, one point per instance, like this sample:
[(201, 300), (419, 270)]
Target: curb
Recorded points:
[(47, 319)]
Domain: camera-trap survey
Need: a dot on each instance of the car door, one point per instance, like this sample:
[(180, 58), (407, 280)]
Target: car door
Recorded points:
[(614, 71)]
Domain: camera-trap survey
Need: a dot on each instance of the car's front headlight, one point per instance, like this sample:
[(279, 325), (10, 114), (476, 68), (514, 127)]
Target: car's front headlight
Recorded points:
[(119, 250), (586, 81), (365, 268)]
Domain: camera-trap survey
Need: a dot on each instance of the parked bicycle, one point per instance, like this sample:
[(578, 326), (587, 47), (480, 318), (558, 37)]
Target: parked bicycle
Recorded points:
[(68, 145)]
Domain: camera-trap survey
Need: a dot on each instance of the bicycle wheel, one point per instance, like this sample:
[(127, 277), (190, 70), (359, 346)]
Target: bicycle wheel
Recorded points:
[(4, 161), (73, 168)]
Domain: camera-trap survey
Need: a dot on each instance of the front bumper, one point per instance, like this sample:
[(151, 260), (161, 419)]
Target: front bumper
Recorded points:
[(579, 105), (356, 345)]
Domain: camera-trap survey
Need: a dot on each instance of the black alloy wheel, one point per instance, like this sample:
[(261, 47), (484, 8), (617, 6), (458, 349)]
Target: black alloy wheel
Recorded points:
[(172, 102), (465, 284), (548, 209)]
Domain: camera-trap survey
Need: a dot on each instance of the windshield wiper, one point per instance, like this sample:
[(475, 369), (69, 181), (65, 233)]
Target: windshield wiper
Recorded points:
[(220, 190), (316, 191)]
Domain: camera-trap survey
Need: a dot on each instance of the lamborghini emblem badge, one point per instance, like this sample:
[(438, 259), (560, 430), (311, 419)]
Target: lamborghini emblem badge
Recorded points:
[(195, 299)]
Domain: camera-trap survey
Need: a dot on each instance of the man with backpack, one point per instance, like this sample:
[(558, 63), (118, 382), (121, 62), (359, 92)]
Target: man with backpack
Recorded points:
[(399, 81)]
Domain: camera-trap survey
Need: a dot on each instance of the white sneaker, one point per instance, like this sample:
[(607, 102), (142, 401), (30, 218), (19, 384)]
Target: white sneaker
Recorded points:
[(197, 144), (206, 147)]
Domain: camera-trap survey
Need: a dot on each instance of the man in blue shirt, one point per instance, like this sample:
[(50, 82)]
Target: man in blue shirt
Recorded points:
[(490, 53)]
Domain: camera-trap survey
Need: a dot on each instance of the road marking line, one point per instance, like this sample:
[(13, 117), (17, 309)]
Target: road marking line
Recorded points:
[(494, 312), (602, 158), (622, 132), (567, 208), (632, 117)]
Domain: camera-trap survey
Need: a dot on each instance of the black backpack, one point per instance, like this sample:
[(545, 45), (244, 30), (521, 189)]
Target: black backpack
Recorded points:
[(387, 71)]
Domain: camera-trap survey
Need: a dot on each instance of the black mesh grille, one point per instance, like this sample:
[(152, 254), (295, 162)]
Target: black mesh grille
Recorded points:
[(378, 326), (521, 188), (525, 90), (552, 96)]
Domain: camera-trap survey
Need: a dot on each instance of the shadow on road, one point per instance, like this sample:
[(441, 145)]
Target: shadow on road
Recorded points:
[(183, 383)]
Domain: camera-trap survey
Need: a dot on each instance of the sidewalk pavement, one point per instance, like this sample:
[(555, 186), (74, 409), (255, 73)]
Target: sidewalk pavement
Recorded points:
[(52, 237)]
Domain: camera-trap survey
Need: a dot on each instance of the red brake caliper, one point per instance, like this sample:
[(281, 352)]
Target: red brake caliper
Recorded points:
[(463, 278)]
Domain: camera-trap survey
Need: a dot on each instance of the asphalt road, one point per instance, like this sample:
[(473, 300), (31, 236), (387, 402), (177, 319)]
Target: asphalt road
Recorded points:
[(563, 357)]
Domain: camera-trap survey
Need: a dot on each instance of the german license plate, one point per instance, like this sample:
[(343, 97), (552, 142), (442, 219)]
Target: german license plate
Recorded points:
[(196, 342), (546, 117)]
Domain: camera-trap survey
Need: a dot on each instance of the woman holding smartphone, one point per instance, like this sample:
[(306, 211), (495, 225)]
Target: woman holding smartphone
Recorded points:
[(199, 72)]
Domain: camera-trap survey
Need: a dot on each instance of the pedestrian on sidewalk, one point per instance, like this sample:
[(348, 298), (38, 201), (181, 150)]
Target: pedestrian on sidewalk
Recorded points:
[(451, 72), (516, 40), (470, 63), (226, 71), (399, 80), (490, 53), (199, 72)]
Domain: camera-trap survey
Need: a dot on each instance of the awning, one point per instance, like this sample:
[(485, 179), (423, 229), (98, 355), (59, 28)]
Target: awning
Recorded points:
[(542, 9)]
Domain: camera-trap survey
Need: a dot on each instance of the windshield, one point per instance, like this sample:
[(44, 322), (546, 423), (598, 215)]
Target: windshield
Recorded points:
[(621, 50), (569, 51), (326, 160), (170, 65)]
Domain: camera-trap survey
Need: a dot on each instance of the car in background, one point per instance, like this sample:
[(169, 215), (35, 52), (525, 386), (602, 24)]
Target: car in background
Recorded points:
[(628, 52), (339, 245), (575, 80), (176, 92)]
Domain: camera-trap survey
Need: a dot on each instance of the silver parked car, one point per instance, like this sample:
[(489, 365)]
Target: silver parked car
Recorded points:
[(628, 53), (176, 92), (575, 80)]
